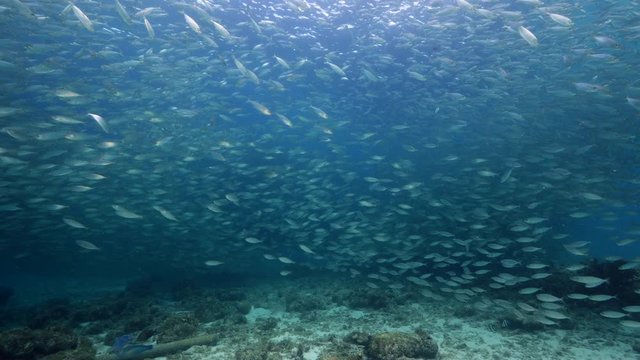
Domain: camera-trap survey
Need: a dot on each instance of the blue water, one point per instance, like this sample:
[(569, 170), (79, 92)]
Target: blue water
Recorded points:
[(487, 98)]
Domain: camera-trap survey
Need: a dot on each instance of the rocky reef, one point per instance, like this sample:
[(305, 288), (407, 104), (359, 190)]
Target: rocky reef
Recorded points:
[(52, 343), (399, 345)]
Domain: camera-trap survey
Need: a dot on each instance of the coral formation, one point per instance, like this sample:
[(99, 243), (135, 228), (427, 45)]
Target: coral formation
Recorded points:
[(84, 351), (177, 327), (24, 343), (358, 338), (303, 303), (397, 345), (365, 299), (266, 324), (350, 348)]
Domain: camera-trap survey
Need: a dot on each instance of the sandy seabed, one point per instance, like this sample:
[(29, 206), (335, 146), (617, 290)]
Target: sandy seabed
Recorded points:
[(303, 319), (318, 318)]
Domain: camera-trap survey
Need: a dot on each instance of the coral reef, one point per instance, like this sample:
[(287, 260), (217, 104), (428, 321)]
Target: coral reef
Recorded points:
[(84, 351), (358, 338), (397, 345), (177, 327), (303, 303), (307, 320), (243, 307), (24, 343), (343, 352), (266, 324), (53, 312), (210, 308), (374, 299), (269, 350), (251, 354)]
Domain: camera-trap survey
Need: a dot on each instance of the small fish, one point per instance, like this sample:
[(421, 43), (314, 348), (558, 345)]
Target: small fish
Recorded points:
[(528, 36), (625, 242), (285, 260), (305, 249), (221, 29), (261, 108), (6, 111), (86, 245), (576, 267), (22, 9), (54, 207), (165, 213), (464, 4), (337, 69), (552, 314), (65, 120), (74, 223), (591, 196), (576, 296), (635, 103), (589, 88), (606, 41), (530, 249), (150, 31), (233, 198), (246, 72), (284, 120), (123, 212), (65, 94), (192, 24), (319, 112), (535, 220), (213, 262), (601, 297), (630, 324), (101, 122), (123, 13), (509, 263), (527, 291), (526, 307), (547, 298), (629, 266), (613, 314), (282, 62), (84, 20), (576, 251), (545, 321), (95, 177), (589, 281), (561, 19), (536, 266), (632, 308), (146, 11), (505, 176)]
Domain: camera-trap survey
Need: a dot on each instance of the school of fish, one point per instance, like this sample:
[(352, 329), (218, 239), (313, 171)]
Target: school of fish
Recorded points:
[(443, 145)]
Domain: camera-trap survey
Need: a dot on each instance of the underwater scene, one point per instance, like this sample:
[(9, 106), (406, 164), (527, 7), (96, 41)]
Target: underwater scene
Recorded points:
[(319, 179)]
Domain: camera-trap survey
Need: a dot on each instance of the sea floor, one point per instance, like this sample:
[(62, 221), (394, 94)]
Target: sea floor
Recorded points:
[(315, 318)]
